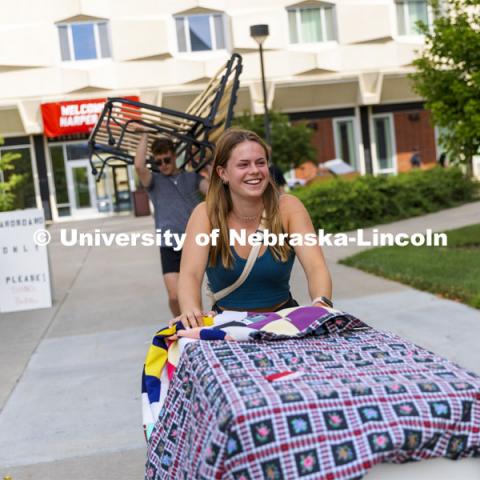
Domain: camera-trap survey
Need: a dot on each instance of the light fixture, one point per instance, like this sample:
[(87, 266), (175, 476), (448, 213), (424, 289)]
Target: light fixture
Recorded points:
[(260, 33)]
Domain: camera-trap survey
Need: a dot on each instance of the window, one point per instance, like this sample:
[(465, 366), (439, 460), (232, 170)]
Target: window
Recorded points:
[(77, 151), (84, 41), (311, 24), (383, 135), (196, 33), (409, 12), (24, 190), (345, 141)]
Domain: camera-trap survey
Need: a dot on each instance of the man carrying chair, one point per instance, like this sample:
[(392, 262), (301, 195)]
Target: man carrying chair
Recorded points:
[(174, 194)]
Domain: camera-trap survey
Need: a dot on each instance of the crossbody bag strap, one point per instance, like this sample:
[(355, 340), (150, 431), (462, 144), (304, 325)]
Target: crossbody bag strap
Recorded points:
[(252, 257)]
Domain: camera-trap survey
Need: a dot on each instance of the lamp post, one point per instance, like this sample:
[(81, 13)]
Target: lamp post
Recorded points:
[(259, 33)]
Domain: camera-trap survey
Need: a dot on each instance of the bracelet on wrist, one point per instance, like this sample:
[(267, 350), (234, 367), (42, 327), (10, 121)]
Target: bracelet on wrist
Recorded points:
[(321, 299)]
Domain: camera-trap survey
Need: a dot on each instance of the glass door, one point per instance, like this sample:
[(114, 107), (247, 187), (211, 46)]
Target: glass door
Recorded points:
[(122, 197), (103, 190), (81, 188), (384, 144), (345, 140)]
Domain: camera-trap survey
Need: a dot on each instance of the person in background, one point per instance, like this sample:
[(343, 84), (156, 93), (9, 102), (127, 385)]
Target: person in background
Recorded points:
[(277, 177), (241, 196), (174, 194), (415, 159), (442, 159)]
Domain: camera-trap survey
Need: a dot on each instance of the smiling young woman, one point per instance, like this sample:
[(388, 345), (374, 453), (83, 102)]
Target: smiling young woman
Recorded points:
[(242, 195)]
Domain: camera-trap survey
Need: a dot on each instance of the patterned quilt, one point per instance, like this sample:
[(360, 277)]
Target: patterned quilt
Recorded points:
[(330, 400)]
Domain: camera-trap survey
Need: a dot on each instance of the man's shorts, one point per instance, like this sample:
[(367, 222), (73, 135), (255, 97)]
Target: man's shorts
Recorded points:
[(170, 260)]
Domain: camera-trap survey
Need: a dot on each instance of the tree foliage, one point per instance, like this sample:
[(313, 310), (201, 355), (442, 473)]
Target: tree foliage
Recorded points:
[(291, 144), (9, 181), (448, 75)]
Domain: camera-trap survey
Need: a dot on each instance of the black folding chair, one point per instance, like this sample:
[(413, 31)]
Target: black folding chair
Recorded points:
[(194, 132)]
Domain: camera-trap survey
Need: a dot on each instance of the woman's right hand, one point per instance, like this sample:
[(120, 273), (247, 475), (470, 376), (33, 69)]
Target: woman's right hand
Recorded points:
[(190, 319)]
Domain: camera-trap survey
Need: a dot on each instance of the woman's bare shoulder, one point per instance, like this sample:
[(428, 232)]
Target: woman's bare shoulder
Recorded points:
[(200, 209), (289, 203), (290, 208), (199, 216)]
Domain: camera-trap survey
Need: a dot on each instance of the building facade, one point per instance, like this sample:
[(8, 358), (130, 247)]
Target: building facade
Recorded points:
[(342, 66)]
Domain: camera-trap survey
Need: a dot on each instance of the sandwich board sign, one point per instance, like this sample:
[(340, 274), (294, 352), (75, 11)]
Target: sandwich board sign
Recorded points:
[(24, 268)]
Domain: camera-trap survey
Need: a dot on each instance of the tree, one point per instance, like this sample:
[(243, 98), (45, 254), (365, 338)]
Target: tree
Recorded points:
[(448, 76), (291, 144), (9, 181)]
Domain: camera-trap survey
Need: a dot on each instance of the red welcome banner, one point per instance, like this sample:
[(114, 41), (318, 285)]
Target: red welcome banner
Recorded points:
[(76, 116)]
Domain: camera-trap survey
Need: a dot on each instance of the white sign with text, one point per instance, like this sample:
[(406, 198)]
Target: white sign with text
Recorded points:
[(24, 268)]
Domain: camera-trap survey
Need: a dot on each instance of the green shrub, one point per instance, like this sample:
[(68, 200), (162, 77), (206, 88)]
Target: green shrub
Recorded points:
[(341, 205)]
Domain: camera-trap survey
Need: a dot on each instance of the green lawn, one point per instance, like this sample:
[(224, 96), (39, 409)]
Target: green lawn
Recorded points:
[(452, 272)]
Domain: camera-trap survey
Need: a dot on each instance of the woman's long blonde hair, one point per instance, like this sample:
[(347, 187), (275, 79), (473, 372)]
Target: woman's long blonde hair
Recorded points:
[(219, 200)]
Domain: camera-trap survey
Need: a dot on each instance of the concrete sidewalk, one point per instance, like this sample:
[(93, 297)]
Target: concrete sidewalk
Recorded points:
[(70, 375)]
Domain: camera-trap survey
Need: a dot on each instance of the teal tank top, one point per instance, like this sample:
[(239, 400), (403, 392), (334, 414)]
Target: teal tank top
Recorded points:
[(268, 283)]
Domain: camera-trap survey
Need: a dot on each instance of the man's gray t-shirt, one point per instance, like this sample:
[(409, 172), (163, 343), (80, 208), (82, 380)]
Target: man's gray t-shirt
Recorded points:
[(174, 197)]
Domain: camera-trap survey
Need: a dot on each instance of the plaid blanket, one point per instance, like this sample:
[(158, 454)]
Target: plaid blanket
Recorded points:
[(164, 352), (328, 405)]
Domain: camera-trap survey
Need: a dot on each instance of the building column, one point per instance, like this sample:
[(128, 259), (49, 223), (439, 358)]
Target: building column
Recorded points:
[(41, 164), (365, 128)]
